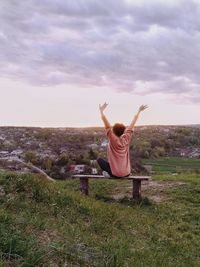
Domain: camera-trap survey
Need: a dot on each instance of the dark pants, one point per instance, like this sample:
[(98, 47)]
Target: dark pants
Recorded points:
[(105, 166)]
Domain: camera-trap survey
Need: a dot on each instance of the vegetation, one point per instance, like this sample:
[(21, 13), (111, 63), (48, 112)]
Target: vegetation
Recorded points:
[(160, 141), (174, 164), (51, 224), (55, 150)]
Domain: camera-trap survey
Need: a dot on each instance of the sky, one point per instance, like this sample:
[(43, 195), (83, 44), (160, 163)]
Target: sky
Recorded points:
[(59, 59)]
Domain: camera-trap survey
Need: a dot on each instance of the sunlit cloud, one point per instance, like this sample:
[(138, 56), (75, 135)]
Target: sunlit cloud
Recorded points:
[(143, 47)]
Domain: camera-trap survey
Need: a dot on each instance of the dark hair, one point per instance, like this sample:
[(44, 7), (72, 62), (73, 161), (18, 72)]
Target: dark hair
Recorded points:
[(118, 129)]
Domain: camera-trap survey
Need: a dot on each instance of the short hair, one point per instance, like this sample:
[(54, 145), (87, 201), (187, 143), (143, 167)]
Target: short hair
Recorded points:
[(118, 129)]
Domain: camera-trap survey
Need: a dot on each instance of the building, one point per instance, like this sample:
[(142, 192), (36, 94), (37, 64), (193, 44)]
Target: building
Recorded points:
[(77, 169), (104, 143), (93, 146), (16, 152), (94, 171)]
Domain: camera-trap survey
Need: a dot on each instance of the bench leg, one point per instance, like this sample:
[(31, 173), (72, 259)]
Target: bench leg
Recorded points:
[(136, 189), (84, 186)]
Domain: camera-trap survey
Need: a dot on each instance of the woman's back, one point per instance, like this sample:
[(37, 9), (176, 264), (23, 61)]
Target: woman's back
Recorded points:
[(118, 152)]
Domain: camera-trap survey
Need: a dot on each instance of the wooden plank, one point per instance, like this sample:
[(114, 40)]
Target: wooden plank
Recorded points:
[(141, 178), (136, 189), (84, 186)]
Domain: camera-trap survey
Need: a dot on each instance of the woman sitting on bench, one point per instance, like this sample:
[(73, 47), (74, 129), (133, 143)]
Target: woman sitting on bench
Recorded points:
[(119, 137)]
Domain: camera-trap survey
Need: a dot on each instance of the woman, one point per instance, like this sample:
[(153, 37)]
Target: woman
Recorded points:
[(119, 137)]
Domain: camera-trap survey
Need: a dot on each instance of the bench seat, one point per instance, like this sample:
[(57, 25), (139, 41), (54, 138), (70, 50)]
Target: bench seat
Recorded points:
[(136, 181)]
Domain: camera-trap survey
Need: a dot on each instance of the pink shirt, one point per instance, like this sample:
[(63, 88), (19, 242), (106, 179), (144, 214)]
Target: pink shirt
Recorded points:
[(118, 152)]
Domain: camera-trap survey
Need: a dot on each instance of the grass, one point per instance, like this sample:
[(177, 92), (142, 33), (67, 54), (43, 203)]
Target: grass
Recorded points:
[(51, 224), (174, 164)]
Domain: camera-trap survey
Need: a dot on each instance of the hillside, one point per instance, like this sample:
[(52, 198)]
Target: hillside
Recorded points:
[(51, 224), (55, 150)]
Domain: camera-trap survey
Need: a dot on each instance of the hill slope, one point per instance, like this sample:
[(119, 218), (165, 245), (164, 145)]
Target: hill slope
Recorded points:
[(48, 224)]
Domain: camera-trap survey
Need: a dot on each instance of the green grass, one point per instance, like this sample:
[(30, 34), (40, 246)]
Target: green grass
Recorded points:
[(174, 164), (51, 224)]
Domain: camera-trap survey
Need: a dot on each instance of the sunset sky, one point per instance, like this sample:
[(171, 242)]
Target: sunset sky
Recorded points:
[(59, 59)]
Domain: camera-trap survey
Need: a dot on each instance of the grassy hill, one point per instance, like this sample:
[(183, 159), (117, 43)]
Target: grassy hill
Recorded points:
[(51, 224)]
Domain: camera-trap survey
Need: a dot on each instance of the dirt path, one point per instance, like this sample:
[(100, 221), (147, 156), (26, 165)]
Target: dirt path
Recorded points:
[(154, 190)]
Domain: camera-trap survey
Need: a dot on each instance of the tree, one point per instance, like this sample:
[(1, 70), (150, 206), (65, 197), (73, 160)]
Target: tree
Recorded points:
[(158, 152), (145, 154), (63, 159), (30, 156), (92, 154), (47, 164)]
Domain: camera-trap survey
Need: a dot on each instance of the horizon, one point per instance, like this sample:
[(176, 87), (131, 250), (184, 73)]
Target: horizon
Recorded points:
[(102, 127), (61, 59)]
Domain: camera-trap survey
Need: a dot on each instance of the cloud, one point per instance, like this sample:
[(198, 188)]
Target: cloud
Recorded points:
[(141, 46)]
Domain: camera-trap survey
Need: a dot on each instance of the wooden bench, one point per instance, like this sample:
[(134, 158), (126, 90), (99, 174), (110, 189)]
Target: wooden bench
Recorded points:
[(136, 181)]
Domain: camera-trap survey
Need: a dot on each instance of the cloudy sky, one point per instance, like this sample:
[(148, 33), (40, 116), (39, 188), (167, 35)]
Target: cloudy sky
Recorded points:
[(60, 58)]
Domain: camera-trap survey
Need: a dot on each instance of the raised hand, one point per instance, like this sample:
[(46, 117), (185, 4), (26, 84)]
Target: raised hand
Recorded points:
[(105, 120), (142, 108), (103, 107)]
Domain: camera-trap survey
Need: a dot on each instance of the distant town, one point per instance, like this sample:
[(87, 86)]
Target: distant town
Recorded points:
[(61, 152)]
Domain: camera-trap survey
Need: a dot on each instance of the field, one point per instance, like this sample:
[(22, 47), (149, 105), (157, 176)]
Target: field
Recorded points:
[(174, 164), (51, 224)]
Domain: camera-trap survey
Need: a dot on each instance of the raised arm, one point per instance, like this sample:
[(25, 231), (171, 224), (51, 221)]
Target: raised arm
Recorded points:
[(142, 108), (103, 117)]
